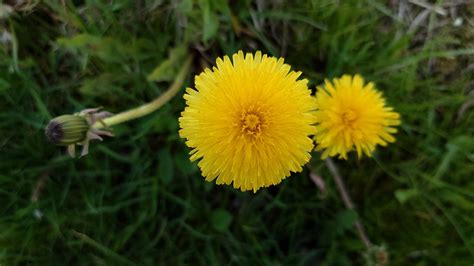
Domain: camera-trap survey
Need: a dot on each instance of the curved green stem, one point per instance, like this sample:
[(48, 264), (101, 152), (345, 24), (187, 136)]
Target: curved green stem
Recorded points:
[(151, 106), (341, 186)]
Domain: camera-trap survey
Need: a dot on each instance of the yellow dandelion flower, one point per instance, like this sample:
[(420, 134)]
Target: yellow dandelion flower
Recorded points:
[(352, 114), (249, 121)]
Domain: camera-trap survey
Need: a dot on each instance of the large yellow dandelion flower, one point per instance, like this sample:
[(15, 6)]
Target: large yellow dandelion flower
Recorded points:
[(249, 121), (351, 115)]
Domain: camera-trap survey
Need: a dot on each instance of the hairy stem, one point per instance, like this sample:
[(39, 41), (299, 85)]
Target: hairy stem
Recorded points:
[(341, 187), (150, 107)]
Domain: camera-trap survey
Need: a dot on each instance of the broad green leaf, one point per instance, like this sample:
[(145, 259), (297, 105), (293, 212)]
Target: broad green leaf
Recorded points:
[(221, 219), (345, 219), (166, 70), (79, 41), (456, 199), (106, 48), (403, 195), (210, 20), (185, 6)]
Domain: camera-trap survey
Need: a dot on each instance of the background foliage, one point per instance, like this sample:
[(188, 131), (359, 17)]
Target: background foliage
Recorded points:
[(136, 199)]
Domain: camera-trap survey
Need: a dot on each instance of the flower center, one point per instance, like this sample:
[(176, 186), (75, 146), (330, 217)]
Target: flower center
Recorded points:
[(348, 117), (251, 123)]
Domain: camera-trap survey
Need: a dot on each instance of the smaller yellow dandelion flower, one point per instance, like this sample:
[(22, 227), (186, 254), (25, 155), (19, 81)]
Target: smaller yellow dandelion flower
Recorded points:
[(351, 115)]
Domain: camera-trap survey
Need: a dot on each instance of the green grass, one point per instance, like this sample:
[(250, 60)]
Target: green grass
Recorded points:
[(137, 200)]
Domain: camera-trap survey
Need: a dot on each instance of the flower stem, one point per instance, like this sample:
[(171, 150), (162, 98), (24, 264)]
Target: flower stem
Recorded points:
[(150, 107), (347, 201)]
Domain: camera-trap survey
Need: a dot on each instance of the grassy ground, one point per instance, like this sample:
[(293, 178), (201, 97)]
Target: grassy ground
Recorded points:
[(136, 199)]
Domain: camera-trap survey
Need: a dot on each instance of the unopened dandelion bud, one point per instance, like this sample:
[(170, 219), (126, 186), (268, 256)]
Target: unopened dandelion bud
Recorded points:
[(77, 129), (67, 129)]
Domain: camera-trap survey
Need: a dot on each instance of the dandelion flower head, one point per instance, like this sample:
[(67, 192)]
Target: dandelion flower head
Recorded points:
[(352, 115), (249, 121)]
